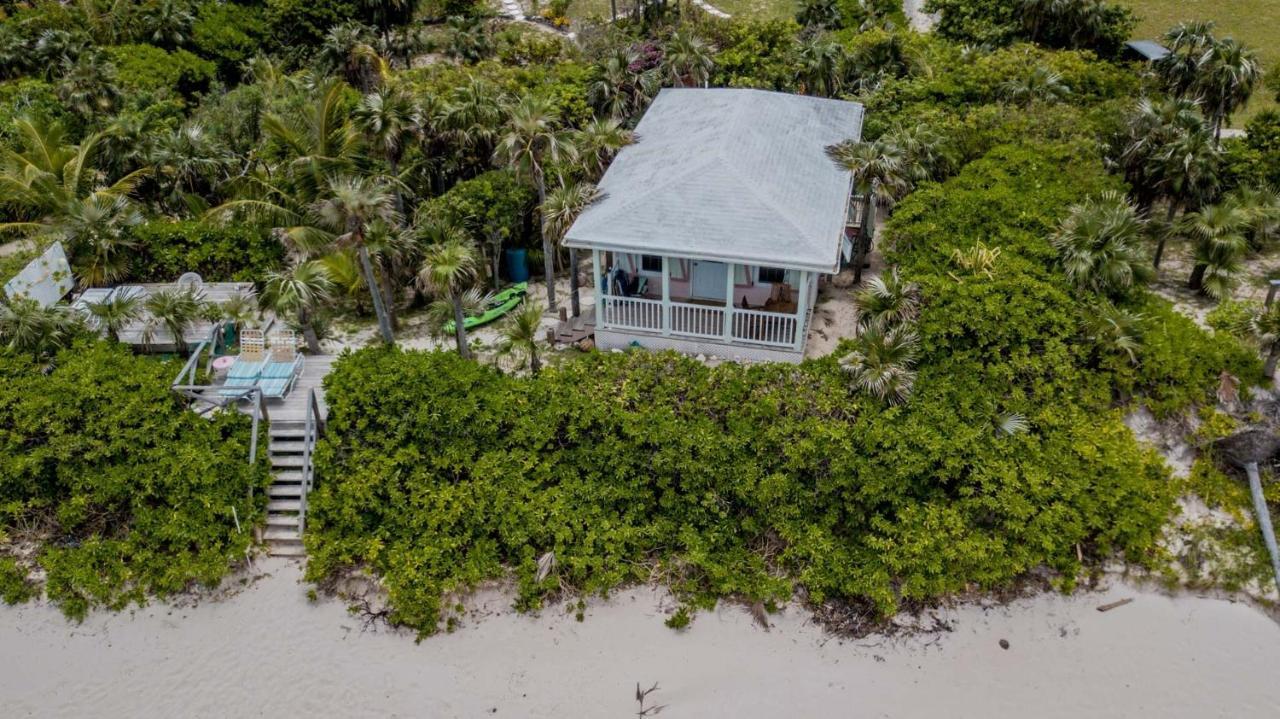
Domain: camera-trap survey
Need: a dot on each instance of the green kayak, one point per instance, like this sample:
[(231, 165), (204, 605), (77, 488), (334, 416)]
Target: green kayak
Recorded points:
[(500, 304)]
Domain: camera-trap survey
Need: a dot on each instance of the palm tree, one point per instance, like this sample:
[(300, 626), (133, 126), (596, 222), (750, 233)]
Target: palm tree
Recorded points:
[(1228, 73), (348, 50), (687, 60), (449, 269), (350, 205), (532, 141), (1150, 128), (823, 64), (880, 174), (1115, 330), (887, 301), (1099, 245), (880, 362), (1266, 326), (29, 328), (168, 23), (598, 142), (1190, 171), (1039, 83), (117, 312), (520, 334), (561, 209), (923, 151), (620, 89), (1220, 244), (299, 291), (173, 309), (1261, 206), (388, 118)]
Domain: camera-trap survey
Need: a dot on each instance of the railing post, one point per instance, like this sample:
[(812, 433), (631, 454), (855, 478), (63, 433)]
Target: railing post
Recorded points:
[(666, 296), (602, 287), (802, 309), (731, 269)]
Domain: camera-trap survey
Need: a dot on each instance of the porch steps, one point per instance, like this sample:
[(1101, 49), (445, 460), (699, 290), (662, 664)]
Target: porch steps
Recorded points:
[(571, 330), (288, 444)]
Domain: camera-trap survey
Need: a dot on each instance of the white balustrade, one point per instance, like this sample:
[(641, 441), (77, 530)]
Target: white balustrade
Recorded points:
[(770, 328)]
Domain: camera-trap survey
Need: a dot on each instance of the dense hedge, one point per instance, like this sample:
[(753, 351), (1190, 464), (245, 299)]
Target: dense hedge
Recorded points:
[(146, 67), (130, 492), (220, 253)]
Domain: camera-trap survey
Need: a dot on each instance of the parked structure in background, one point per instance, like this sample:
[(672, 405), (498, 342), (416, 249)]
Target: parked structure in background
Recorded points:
[(715, 228)]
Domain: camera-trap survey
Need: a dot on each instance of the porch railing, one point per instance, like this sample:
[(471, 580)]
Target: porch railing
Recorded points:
[(770, 328), (697, 320), (633, 313)]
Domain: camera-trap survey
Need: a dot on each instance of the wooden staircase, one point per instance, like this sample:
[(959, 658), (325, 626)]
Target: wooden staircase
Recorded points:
[(289, 451)]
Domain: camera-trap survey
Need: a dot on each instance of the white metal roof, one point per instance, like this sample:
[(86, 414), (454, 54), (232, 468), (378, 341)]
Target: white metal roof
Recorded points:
[(728, 174)]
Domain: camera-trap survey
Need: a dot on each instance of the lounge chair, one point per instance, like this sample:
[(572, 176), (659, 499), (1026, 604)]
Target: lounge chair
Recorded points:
[(284, 366), (249, 365)]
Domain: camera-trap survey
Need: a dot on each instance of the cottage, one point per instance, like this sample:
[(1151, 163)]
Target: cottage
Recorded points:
[(715, 227)]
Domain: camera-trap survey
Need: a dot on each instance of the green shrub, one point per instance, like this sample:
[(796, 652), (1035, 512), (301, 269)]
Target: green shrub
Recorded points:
[(15, 587), (149, 68), (220, 253), (228, 34), (294, 26), (141, 494)]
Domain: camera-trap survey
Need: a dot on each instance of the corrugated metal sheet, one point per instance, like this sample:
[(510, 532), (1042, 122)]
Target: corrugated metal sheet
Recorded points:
[(728, 174)]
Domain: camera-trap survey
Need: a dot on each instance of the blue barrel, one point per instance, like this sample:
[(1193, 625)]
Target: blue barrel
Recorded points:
[(517, 265)]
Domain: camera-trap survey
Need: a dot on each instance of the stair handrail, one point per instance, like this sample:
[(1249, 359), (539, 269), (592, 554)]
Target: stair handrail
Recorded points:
[(313, 426)]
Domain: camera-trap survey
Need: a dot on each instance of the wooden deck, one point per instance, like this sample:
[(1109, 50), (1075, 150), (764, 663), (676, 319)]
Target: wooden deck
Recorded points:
[(293, 407)]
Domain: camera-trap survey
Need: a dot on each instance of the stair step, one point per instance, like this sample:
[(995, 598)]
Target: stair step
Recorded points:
[(286, 548), (288, 475), (289, 521), (284, 505), (283, 461), (287, 447), (276, 534), (285, 491)]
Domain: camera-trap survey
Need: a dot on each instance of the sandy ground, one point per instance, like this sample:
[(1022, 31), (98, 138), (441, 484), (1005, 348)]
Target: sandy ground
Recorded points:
[(267, 651)]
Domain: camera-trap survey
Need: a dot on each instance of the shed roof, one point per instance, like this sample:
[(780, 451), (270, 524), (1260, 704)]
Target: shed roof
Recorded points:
[(1150, 49), (728, 174)]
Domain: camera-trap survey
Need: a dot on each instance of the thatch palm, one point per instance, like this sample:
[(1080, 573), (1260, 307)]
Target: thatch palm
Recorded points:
[(881, 362), (887, 301), (1261, 206), (1218, 234), (598, 142), (1191, 164), (299, 291), (116, 313), (1150, 129), (29, 328), (822, 64), (687, 60), (532, 141), (1099, 245), (450, 269), (348, 208), (562, 207), (173, 310), (1228, 75), (389, 119), (1039, 83), (880, 174), (1114, 330), (520, 334)]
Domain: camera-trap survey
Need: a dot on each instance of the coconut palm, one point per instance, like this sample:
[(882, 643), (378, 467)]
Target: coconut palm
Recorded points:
[(389, 119), (116, 313), (880, 362), (532, 141), (880, 174), (299, 291), (1266, 327), (520, 334), (887, 301), (562, 207), (174, 310), (687, 60), (1218, 234), (347, 209), (449, 270), (1099, 245), (29, 328), (1038, 83)]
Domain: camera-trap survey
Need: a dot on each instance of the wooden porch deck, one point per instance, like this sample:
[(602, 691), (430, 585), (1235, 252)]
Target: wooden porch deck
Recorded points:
[(293, 407)]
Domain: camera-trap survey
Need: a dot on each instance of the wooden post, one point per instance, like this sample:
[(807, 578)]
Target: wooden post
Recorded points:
[(802, 310), (666, 296), (1271, 293), (731, 269), (602, 287)]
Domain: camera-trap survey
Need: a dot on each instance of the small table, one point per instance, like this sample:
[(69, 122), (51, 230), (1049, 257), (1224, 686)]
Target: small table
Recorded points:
[(221, 365)]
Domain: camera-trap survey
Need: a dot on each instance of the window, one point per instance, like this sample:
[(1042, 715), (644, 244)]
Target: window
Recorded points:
[(651, 263), (772, 275)]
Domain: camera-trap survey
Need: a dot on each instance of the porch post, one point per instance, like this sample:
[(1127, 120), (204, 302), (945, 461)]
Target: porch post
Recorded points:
[(728, 302), (601, 286), (802, 310), (666, 296)]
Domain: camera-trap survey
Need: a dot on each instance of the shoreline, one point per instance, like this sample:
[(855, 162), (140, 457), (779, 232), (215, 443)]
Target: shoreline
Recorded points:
[(260, 647)]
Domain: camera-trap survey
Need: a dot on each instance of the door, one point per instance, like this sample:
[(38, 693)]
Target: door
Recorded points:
[(708, 280)]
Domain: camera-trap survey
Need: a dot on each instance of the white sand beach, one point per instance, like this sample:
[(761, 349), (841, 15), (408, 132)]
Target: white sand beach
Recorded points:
[(267, 651)]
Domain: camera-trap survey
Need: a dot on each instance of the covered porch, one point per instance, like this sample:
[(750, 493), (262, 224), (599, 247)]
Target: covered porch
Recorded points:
[(703, 301)]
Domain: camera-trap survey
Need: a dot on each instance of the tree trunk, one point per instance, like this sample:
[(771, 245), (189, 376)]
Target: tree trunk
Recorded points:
[(1269, 369), (459, 327), (535, 364), (388, 297), (1173, 211), (309, 332), (1197, 277), (864, 237), (384, 324), (548, 252), (495, 243), (394, 163), (575, 307)]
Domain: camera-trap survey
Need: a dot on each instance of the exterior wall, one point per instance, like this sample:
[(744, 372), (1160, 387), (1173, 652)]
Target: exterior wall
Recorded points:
[(621, 339), (755, 291)]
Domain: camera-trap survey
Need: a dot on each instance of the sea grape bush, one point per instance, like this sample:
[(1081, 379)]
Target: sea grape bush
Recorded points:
[(127, 491)]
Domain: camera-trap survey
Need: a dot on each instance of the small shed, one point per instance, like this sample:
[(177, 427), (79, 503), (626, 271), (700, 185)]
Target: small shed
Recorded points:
[(1144, 50)]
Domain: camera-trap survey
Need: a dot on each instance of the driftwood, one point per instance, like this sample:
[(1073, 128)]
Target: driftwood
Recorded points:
[(1112, 605)]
